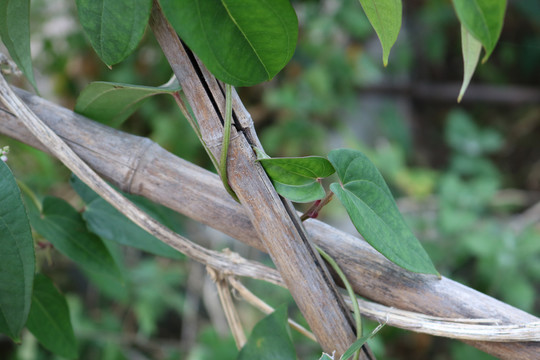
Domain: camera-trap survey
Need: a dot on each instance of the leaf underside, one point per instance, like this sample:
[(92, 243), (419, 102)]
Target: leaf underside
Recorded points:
[(470, 48), (483, 19), (385, 17), (112, 103)]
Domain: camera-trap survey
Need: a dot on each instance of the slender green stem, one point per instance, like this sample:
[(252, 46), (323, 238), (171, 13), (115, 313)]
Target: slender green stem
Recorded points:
[(226, 139), (350, 291)]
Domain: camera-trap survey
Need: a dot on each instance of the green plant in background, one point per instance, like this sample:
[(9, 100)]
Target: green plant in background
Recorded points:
[(246, 56)]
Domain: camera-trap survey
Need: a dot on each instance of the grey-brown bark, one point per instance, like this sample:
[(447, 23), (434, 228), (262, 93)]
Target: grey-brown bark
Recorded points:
[(140, 166)]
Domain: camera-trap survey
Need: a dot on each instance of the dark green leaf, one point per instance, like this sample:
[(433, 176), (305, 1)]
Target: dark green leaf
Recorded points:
[(112, 103), (114, 27), (64, 227), (49, 319), (385, 17), (15, 34), (241, 42), (270, 339), (108, 223), (470, 48), (373, 211), (483, 19), (297, 178), (17, 262)]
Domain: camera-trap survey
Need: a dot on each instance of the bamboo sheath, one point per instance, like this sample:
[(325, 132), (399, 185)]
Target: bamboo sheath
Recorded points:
[(139, 166)]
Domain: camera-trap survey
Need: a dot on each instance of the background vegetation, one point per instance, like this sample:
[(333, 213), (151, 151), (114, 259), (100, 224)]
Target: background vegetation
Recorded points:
[(466, 176)]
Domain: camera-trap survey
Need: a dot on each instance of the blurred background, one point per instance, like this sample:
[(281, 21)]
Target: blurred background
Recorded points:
[(466, 176)]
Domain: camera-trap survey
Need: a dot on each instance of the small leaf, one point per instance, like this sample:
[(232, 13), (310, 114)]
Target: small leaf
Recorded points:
[(385, 17), (114, 27), (242, 43), (483, 19), (49, 319), (17, 262), (297, 178), (270, 339), (359, 343), (15, 34), (112, 103), (325, 356), (64, 227), (108, 223), (374, 213), (470, 48)]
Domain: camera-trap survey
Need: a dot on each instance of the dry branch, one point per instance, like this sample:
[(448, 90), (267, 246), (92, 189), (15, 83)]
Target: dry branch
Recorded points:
[(142, 167), (274, 219)]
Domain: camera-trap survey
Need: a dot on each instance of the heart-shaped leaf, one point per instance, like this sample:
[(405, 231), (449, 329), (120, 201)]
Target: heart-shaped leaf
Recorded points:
[(470, 48), (243, 42), (64, 227), (374, 213), (385, 17), (114, 27), (297, 178), (270, 339), (17, 260), (49, 319), (483, 19), (112, 103), (15, 34)]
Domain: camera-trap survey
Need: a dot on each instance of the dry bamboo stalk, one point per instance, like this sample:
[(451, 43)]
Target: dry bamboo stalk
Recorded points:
[(139, 166), (274, 218), (233, 319)]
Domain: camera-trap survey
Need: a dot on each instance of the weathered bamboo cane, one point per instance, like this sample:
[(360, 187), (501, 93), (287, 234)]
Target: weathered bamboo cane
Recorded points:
[(139, 166)]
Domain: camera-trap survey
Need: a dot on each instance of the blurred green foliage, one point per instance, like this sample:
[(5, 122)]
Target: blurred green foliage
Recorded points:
[(451, 165)]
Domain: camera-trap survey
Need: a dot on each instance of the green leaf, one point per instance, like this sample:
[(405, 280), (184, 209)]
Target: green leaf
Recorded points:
[(64, 227), (483, 19), (359, 343), (270, 339), (385, 17), (325, 356), (112, 103), (297, 178), (470, 48), (374, 213), (17, 262), (114, 27), (242, 43), (49, 319), (15, 34), (108, 223)]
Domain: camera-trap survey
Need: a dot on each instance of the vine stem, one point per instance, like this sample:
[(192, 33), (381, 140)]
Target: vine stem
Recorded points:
[(313, 211), (226, 140), (350, 291)]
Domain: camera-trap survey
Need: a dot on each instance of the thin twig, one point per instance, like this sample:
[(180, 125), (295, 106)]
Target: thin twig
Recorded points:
[(264, 307), (228, 307)]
